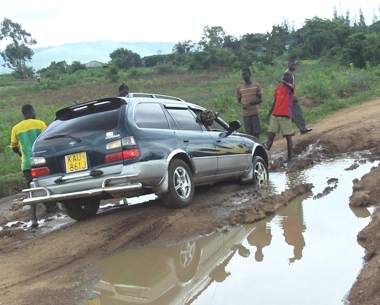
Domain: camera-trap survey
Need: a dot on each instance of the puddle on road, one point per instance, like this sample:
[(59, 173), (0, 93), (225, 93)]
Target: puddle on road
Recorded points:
[(305, 254)]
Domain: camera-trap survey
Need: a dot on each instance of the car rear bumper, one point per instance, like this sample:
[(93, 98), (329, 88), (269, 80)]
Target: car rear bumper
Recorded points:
[(125, 180), (110, 185)]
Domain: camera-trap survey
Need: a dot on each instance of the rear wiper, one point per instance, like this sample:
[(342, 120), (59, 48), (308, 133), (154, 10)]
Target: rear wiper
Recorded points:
[(63, 136)]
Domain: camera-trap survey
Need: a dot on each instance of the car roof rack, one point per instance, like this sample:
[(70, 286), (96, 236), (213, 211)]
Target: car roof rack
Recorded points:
[(152, 95)]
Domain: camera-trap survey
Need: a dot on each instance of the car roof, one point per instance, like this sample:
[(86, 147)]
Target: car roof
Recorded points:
[(169, 101)]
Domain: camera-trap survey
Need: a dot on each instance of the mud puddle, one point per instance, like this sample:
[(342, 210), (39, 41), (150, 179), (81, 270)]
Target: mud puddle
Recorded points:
[(306, 254)]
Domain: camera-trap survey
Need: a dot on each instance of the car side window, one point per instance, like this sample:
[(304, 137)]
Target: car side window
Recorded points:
[(150, 115), (216, 125), (184, 118)]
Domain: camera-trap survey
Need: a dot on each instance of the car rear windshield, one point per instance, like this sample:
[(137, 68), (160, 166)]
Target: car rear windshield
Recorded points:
[(84, 122)]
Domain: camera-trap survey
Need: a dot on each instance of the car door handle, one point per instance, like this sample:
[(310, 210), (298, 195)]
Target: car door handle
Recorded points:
[(186, 141), (218, 141)]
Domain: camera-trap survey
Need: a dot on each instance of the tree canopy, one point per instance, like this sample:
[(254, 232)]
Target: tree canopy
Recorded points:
[(125, 59), (17, 52)]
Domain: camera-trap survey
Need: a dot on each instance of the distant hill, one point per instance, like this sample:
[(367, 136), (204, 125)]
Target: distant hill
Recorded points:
[(93, 51)]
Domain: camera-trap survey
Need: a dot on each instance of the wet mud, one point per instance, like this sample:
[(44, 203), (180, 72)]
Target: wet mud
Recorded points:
[(55, 263), (366, 290)]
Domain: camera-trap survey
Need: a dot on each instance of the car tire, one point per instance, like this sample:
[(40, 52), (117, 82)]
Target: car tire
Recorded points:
[(181, 186), (260, 171), (82, 208)]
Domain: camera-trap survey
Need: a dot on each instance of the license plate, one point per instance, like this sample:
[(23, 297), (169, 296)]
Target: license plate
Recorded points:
[(76, 162)]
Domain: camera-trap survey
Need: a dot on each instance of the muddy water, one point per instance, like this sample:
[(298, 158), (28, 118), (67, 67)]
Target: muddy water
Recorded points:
[(305, 254)]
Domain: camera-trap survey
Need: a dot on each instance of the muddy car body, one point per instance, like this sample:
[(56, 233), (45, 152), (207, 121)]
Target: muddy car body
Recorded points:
[(123, 147)]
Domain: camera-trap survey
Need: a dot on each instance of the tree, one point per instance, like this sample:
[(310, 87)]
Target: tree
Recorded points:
[(361, 24), (183, 47), (125, 59), (76, 66), (213, 37), (320, 36), (17, 53), (278, 40), (371, 48), (354, 50), (55, 69), (231, 42)]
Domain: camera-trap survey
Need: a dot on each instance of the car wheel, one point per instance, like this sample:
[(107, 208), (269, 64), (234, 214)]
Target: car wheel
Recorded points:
[(82, 208), (181, 187), (260, 171)]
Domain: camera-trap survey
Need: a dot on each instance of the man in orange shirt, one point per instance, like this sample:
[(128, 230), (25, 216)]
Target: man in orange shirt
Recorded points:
[(281, 114), (298, 118), (249, 97)]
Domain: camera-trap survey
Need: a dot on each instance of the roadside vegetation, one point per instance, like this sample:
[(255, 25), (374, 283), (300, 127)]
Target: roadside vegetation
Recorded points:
[(339, 67)]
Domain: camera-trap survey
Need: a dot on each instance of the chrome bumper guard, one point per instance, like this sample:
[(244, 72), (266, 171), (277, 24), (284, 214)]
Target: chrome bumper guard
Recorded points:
[(43, 194)]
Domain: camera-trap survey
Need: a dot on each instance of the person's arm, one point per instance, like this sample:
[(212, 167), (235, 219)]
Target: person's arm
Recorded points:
[(43, 127), (271, 108), (238, 95), (16, 150), (274, 102), (14, 142), (259, 96)]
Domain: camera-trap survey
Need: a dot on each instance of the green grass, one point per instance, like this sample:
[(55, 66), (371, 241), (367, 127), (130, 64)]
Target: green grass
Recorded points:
[(330, 87)]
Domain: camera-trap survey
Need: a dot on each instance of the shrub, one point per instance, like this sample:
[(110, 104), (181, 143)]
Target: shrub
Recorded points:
[(135, 73), (113, 74), (318, 86), (76, 66), (11, 183), (165, 69)]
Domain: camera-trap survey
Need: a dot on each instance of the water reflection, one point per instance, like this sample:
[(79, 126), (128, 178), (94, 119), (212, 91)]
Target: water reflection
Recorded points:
[(177, 274), (173, 275), (260, 237), (222, 269), (293, 227)]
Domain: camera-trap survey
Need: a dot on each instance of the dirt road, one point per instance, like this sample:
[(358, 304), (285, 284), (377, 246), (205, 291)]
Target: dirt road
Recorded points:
[(55, 267)]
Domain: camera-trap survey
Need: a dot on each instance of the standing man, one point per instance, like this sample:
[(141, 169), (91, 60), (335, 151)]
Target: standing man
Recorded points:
[(249, 97), (280, 121), (22, 139), (23, 136), (123, 90), (298, 118)]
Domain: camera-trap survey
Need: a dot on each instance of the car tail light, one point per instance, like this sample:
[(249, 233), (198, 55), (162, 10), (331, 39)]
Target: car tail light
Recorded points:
[(124, 142), (130, 153), (117, 156), (129, 150), (122, 155), (38, 161), (40, 171)]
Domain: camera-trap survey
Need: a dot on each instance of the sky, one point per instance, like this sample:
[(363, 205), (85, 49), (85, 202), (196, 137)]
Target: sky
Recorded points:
[(54, 22)]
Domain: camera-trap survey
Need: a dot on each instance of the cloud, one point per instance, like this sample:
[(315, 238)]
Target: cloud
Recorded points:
[(54, 22)]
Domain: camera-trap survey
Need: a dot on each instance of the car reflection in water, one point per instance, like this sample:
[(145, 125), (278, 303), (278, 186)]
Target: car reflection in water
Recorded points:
[(180, 273)]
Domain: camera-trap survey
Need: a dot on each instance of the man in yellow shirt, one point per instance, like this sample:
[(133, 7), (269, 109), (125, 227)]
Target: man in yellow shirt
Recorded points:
[(23, 136), (22, 139)]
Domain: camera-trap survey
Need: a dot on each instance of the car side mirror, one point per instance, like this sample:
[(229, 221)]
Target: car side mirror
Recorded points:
[(233, 126)]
